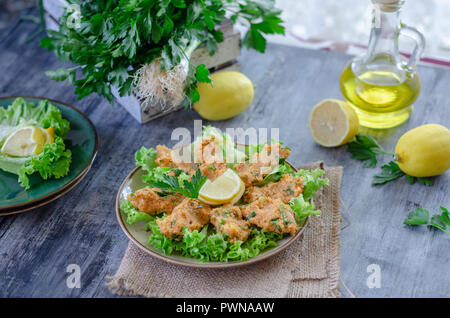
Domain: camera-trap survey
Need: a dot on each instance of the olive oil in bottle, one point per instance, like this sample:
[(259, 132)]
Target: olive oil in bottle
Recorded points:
[(381, 85), (381, 98)]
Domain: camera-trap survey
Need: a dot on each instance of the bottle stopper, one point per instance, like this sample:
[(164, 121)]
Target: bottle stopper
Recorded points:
[(388, 5)]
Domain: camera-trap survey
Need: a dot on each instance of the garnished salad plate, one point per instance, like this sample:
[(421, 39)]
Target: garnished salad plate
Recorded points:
[(46, 148), (212, 212)]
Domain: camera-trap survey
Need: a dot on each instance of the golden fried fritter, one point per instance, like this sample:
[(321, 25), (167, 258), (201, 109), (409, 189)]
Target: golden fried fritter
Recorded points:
[(207, 151), (287, 188), (165, 157), (148, 201), (252, 174), (271, 215), (213, 170), (228, 221), (191, 213)]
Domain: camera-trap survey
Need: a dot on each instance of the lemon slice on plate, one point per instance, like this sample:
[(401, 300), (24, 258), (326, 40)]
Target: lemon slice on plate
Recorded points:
[(333, 123), (25, 142), (228, 188), (49, 135)]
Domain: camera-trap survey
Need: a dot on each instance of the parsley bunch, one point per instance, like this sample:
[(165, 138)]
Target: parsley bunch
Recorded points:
[(115, 38)]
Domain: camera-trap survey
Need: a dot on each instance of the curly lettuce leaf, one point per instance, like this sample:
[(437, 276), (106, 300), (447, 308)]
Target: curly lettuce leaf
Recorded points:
[(155, 175), (209, 245), (133, 214), (261, 240), (53, 162), (312, 181), (302, 208), (160, 241), (20, 113), (276, 174), (145, 158)]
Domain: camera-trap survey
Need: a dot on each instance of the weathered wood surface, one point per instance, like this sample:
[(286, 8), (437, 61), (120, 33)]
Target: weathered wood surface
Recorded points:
[(80, 228)]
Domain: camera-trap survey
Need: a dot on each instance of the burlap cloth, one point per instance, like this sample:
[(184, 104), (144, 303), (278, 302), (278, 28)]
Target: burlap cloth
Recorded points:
[(308, 268)]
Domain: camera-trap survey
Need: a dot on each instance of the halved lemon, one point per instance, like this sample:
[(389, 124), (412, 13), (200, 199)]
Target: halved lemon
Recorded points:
[(333, 123), (24, 142), (226, 188)]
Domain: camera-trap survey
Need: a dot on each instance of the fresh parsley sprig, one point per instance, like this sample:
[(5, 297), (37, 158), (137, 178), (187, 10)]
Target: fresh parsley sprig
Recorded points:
[(188, 188), (366, 148), (422, 217), (392, 171), (389, 172)]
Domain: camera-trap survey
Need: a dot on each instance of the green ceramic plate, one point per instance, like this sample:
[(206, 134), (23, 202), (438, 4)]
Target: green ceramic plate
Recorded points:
[(81, 140)]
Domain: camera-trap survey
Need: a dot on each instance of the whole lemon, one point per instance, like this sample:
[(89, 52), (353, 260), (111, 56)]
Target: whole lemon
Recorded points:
[(424, 151), (229, 95)]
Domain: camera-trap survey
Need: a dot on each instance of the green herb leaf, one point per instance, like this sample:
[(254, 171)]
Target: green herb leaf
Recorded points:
[(62, 74), (417, 217), (392, 171), (442, 221), (366, 148), (193, 187), (202, 74), (422, 217), (389, 172), (185, 187)]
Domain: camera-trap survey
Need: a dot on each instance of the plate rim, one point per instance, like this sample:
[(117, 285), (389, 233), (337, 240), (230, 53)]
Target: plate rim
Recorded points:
[(199, 265), (78, 176), (46, 201)]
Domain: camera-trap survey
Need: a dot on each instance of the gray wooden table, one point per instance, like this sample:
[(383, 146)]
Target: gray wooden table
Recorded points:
[(80, 228)]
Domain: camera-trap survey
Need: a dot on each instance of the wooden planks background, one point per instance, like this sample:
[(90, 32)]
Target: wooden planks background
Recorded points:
[(80, 228)]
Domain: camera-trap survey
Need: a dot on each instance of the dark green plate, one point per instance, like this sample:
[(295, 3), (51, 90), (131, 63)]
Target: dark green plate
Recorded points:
[(81, 140)]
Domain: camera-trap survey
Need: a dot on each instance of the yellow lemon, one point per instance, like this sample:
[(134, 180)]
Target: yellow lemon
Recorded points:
[(49, 134), (228, 188), (333, 123), (230, 94), (24, 142), (424, 151)]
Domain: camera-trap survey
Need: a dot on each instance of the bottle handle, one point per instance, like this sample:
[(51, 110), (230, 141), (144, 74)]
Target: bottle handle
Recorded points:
[(418, 37)]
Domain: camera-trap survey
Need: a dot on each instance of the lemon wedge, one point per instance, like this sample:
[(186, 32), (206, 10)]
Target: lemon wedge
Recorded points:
[(228, 188), (333, 123), (25, 142), (238, 195), (49, 135)]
